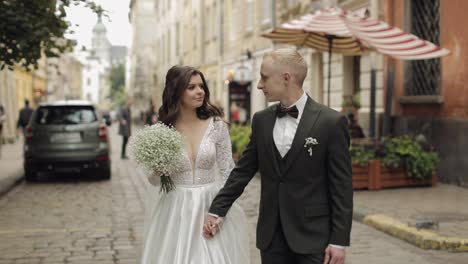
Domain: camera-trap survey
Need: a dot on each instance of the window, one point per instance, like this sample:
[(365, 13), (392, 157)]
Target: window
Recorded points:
[(163, 39), (159, 50), (177, 44), (194, 32), (146, 7), (249, 16), (233, 24), (168, 46), (65, 115), (267, 11), (424, 75), (207, 21), (215, 23), (185, 44), (292, 3)]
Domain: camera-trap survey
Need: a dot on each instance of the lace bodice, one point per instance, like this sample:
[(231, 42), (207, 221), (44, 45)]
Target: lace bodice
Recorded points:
[(213, 161)]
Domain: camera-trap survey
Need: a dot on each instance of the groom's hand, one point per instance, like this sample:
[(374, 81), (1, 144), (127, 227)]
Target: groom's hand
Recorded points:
[(334, 255), (212, 226)]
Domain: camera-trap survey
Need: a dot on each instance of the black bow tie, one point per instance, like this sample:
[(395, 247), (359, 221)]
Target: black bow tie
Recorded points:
[(283, 111)]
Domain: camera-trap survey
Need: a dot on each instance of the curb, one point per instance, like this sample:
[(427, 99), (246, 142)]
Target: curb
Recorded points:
[(420, 238), (7, 184)]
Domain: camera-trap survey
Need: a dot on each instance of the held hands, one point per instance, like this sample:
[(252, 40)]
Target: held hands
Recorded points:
[(212, 226), (334, 255)]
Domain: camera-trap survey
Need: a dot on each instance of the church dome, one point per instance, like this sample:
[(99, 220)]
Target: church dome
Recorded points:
[(99, 27)]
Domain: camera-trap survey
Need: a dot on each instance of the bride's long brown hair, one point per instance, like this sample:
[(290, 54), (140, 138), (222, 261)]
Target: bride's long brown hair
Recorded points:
[(177, 80)]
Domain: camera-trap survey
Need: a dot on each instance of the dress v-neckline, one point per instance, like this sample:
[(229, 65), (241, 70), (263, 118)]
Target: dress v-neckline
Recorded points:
[(193, 163)]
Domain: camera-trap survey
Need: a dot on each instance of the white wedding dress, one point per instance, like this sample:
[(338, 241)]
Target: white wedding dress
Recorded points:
[(174, 221)]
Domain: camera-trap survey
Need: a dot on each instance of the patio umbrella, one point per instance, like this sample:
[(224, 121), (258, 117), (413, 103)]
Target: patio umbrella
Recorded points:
[(352, 33)]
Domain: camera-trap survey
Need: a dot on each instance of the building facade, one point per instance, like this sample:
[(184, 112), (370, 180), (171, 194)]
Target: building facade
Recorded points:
[(97, 62), (64, 78), (141, 74), (18, 85), (223, 39), (93, 70), (430, 97), (10, 104)]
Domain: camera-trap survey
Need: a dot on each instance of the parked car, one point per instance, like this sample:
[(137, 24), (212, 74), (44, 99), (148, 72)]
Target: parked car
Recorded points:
[(66, 136)]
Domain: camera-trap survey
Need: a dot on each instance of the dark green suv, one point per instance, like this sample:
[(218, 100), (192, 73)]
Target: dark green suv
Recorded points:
[(66, 136)]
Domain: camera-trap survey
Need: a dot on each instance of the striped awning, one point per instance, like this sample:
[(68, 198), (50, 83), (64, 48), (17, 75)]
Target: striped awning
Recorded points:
[(352, 33)]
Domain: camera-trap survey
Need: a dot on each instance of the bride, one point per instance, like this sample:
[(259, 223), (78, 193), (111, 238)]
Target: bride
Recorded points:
[(174, 221)]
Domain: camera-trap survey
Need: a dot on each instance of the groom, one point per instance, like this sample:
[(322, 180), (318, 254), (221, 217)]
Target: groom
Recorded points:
[(301, 150)]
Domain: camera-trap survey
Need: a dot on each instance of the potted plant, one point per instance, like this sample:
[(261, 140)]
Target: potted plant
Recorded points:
[(351, 104), (407, 162), (361, 156), (395, 162), (240, 136)]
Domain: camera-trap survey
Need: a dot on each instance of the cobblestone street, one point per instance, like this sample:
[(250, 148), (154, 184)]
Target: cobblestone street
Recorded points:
[(89, 221)]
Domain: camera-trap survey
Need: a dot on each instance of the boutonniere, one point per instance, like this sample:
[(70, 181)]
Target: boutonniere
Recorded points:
[(309, 143)]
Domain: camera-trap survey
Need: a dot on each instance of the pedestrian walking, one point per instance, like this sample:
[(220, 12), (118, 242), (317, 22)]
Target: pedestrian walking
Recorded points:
[(24, 116), (355, 130), (151, 116), (125, 120), (2, 119)]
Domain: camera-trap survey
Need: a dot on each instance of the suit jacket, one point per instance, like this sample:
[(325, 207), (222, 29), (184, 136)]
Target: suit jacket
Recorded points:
[(313, 197), (125, 114)]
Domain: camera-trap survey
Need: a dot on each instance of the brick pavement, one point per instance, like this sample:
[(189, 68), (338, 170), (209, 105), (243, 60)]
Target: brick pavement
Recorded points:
[(73, 220), (444, 203), (87, 221), (367, 244)]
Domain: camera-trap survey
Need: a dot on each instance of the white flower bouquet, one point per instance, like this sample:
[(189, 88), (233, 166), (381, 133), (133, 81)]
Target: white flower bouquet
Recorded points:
[(158, 148)]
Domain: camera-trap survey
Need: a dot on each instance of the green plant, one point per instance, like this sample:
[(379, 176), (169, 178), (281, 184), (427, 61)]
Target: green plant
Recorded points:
[(406, 152), (354, 101), (361, 155), (240, 136), (117, 85), (30, 29), (118, 99)]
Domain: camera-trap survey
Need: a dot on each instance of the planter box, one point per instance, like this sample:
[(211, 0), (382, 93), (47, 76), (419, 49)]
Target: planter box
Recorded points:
[(375, 177), (361, 179)]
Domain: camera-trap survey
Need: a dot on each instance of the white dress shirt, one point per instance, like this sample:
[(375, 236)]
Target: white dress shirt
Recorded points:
[(285, 130), (285, 127)]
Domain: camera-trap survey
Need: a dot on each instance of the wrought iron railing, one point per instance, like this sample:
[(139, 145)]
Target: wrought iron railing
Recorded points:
[(424, 75)]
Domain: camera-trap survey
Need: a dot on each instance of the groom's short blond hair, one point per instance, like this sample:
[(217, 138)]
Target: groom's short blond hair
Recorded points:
[(289, 59)]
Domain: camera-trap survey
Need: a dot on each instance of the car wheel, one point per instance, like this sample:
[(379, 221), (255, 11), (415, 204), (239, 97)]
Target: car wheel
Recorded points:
[(30, 175), (106, 174)]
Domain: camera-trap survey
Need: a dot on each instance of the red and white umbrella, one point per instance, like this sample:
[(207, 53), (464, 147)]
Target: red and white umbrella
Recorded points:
[(351, 33)]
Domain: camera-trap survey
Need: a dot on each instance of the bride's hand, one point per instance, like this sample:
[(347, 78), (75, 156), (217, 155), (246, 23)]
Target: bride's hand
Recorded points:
[(207, 231), (212, 226)]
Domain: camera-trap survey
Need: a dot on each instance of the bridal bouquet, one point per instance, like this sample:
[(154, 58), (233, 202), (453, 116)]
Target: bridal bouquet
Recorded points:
[(158, 148)]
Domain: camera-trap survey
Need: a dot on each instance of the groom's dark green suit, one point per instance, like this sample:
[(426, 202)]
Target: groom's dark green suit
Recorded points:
[(310, 193)]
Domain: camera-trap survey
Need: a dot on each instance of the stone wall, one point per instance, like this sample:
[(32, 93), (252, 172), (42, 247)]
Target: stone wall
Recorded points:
[(449, 139)]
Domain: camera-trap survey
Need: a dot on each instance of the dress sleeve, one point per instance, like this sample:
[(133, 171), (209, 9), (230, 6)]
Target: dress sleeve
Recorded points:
[(223, 150)]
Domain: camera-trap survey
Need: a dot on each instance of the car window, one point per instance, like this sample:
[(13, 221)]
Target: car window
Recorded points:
[(63, 115)]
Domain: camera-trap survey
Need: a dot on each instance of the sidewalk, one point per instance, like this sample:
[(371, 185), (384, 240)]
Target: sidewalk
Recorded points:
[(11, 166), (431, 218)]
